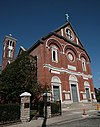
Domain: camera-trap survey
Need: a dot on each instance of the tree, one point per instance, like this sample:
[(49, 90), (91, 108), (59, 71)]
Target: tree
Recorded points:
[(18, 77), (97, 92)]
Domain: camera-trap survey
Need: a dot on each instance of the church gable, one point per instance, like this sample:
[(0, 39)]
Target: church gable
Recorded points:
[(61, 37), (67, 32)]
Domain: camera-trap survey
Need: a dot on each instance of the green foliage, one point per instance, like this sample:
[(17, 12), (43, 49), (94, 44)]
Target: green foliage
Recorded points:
[(9, 112), (97, 92), (18, 77), (56, 108)]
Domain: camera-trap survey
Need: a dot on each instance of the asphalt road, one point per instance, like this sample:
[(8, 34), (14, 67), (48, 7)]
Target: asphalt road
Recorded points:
[(93, 121)]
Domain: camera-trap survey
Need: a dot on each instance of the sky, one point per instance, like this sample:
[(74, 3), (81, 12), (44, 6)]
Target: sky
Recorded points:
[(29, 20)]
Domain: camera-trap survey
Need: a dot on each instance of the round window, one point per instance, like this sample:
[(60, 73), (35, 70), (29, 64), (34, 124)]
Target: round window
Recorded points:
[(70, 56)]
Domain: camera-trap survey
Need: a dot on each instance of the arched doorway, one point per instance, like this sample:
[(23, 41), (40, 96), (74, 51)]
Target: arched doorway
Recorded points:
[(56, 88), (74, 88)]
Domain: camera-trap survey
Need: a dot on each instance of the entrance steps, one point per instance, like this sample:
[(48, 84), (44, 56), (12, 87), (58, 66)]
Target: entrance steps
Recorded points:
[(79, 105)]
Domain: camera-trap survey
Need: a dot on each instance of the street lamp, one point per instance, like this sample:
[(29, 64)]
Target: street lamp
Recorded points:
[(47, 107)]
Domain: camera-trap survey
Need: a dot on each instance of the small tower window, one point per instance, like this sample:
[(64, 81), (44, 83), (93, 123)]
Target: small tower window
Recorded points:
[(8, 43), (13, 44)]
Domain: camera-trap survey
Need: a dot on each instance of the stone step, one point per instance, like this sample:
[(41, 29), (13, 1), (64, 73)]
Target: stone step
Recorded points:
[(79, 105)]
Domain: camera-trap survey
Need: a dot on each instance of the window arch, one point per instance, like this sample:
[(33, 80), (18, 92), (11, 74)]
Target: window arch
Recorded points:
[(73, 78), (55, 79), (86, 84), (53, 41), (83, 55), (71, 48)]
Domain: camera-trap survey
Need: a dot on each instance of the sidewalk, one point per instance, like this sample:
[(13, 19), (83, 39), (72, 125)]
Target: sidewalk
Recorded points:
[(69, 115)]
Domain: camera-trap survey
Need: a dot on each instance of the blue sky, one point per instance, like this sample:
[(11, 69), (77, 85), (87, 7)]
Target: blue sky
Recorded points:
[(29, 20)]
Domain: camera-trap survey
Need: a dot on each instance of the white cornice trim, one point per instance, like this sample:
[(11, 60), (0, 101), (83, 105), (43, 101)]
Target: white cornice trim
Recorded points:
[(50, 67)]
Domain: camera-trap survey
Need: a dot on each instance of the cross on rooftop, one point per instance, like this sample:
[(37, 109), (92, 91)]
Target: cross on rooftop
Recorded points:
[(67, 16)]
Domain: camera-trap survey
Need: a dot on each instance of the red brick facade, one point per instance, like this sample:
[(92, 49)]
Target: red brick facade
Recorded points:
[(64, 64)]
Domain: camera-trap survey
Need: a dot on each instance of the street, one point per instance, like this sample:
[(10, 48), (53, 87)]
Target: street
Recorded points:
[(70, 118), (93, 121)]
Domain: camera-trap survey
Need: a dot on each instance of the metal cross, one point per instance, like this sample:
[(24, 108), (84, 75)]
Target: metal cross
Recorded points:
[(67, 16), (10, 35)]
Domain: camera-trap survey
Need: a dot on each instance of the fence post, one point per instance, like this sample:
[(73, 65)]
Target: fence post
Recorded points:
[(25, 107)]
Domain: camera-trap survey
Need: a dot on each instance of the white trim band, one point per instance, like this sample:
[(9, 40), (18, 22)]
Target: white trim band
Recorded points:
[(66, 70)]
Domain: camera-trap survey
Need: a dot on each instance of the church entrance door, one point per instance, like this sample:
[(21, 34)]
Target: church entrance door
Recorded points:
[(74, 93), (87, 93), (56, 92)]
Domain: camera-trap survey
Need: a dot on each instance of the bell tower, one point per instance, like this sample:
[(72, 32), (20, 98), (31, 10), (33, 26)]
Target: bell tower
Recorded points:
[(9, 45)]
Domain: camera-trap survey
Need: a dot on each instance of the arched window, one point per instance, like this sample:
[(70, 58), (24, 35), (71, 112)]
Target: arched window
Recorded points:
[(13, 44), (8, 43), (83, 64), (54, 54)]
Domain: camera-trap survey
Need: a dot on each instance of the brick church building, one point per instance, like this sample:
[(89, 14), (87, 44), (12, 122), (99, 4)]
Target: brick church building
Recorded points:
[(62, 63)]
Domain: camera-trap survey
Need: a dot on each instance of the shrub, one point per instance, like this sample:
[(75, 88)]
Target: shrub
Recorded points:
[(9, 112), (56, 108)]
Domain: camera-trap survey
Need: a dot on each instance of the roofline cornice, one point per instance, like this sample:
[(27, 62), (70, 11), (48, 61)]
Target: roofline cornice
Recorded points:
[(10, 38), (34, 45)]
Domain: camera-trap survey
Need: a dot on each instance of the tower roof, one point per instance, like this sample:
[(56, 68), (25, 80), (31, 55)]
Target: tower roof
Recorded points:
[(10, 37)]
